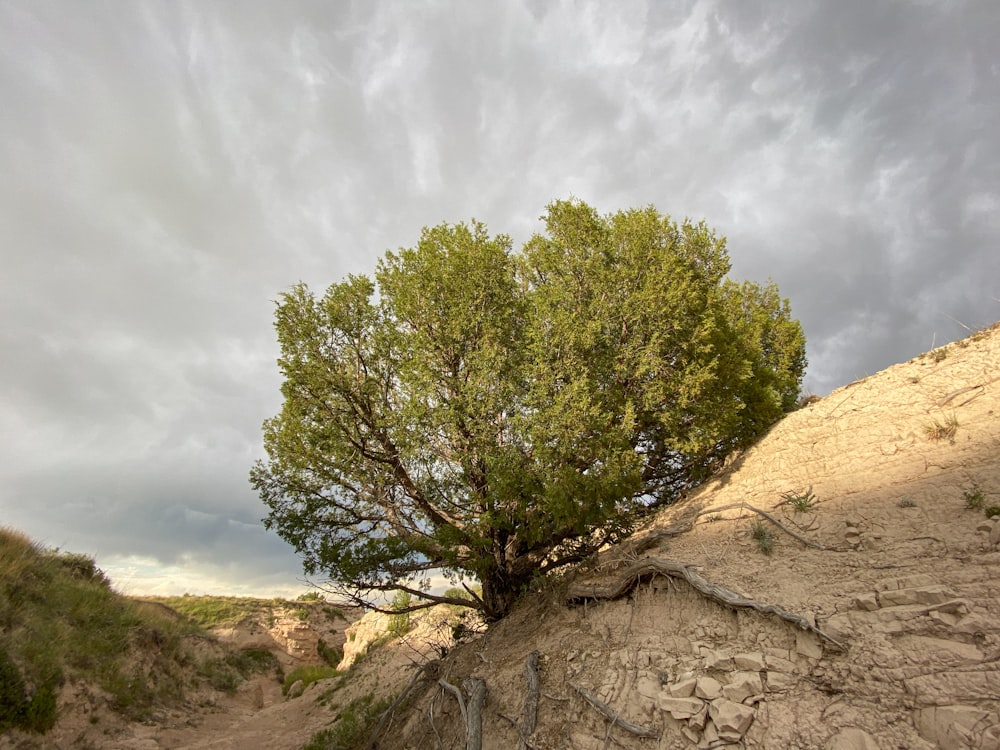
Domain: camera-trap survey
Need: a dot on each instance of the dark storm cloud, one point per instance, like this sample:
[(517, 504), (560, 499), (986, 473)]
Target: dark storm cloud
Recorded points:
[(170, 168)]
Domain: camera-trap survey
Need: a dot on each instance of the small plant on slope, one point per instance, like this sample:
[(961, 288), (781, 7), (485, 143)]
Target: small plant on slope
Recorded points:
[(941, 431), (801, 501), (763, 536), (974, 497)]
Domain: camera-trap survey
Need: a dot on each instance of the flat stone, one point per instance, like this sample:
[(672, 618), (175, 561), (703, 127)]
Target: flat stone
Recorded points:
[(700, 719), (807, 644), (922, 595), (721, 660), (682, 688), (648, 685), (779, 681), (777, 664), (693, 736), (743, 685), (867, 602), (680, 708), (731, 720), (752, 661), (995, 534), (708, 688)]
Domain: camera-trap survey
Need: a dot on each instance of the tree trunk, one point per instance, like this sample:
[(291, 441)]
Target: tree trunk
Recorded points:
[(500, 590)]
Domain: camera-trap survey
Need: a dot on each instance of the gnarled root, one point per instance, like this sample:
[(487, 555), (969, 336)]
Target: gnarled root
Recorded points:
[(630, 576)]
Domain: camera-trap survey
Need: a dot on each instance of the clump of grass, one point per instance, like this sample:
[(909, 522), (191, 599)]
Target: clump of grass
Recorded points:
[(801, 501), (939, 355), (992, 511), (354, 725), (308, 675), (974, 498), (763, 536), (942, 431)]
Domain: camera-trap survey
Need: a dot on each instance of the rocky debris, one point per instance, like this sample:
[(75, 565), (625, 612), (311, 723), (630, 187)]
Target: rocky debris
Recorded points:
[(731, 720)]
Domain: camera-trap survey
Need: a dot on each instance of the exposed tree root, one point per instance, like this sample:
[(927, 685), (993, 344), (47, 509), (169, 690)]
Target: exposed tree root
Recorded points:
[(654, 537), (472, 713), (615, 719), (651, 566), (429, 668), (530, 700)]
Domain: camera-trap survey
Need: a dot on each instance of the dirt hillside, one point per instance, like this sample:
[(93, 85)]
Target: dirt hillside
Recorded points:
[(897, 568)]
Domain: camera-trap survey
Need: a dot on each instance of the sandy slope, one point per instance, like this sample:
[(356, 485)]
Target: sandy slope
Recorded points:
[(910, 581)]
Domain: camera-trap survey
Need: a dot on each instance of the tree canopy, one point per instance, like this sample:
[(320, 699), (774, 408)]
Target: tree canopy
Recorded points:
[(493, 415)]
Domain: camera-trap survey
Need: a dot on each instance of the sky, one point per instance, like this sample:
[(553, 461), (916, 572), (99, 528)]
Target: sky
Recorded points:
[(168, 169)]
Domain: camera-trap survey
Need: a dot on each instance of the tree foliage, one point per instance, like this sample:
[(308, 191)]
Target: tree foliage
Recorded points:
[(495, 415)]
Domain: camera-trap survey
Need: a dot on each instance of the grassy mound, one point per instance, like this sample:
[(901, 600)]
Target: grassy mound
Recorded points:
[(60, 620)]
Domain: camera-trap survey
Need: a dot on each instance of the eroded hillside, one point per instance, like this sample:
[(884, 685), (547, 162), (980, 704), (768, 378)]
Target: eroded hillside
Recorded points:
[(886, 486)]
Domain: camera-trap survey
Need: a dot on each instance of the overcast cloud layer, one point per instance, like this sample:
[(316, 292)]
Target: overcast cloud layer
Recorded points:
[(168, 168)]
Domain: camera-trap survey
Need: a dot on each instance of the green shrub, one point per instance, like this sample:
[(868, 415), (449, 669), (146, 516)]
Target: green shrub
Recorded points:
[(331, 655), (227, 672), (993, 510), (308, 675), (12, 693), (399, 625), (40, 711)]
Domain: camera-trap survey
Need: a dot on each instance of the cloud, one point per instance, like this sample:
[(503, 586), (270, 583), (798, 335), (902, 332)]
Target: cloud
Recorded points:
[(171, 168)]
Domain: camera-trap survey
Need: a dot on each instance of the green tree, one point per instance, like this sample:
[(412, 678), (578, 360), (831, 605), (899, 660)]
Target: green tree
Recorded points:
[(497, 415)]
